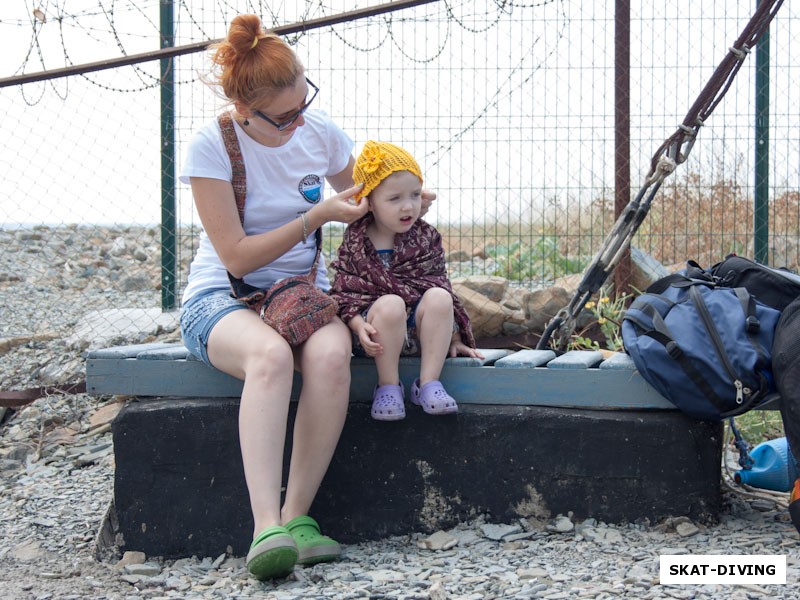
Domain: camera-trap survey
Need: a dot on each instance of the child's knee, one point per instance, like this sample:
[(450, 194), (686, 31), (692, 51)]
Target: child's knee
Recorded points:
[(437, 299), (390, 307)]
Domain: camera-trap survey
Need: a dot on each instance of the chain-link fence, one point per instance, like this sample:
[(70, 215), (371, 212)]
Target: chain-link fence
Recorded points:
[(509, 107)]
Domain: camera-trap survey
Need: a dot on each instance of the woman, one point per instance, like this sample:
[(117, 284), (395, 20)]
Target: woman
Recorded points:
[(288, 153)]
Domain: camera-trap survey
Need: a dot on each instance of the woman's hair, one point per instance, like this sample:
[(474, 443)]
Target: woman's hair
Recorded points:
[(250, 65)]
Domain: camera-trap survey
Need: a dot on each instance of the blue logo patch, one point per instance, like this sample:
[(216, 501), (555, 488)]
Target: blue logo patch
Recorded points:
[(311, 188)]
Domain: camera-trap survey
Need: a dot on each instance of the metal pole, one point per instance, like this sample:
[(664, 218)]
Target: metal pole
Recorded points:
[(622, 131), (761, 200), (168, 220), (172, 51)]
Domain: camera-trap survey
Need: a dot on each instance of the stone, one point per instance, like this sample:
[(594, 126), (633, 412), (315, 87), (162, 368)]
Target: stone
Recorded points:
[(491, 286), (686, 529), (516, 298), (437, 592), (385, 576), (105, 414), (99, 328), (441, 540), (28, 551), (498, 532), (542, 305), (145, 569), (457, 256), (532, 573), (644, 269), (486, 316), (131, 557), (561, 524)]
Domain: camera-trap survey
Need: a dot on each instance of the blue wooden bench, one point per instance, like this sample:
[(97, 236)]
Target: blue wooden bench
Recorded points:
[(528, 378), (536, 435)]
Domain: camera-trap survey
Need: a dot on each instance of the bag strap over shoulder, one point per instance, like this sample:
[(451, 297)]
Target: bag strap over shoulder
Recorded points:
[(239, 183)]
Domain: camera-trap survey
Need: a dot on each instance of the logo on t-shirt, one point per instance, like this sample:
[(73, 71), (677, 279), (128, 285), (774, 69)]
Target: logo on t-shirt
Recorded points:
[(311, 187)]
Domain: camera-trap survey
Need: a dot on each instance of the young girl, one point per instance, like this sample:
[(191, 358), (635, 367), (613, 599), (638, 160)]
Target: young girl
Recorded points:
[(392, 287)]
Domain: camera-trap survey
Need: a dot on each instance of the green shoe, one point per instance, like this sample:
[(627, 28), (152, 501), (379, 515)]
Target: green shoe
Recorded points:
[(273, 553), (312, 546)]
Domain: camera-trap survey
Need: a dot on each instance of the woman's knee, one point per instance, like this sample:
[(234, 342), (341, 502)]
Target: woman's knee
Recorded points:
[(329, 350), (390, 308), (269, 360)]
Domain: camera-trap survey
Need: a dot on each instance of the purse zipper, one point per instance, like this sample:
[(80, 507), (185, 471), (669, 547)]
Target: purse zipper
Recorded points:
[(286, 286)]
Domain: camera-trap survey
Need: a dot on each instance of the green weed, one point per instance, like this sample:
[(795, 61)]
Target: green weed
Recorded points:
[(541, 261), (606, 324)]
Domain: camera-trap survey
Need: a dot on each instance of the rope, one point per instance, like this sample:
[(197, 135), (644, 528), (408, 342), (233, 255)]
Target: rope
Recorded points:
[(680, 143), (745, 460), (671, 153)]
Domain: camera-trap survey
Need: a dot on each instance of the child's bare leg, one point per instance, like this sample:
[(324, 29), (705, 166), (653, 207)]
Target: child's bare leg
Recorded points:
[(388, 316), (435, 330)]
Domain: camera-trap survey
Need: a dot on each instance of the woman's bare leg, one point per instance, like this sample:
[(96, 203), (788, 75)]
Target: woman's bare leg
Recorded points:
[(243, 346), (324, 361)]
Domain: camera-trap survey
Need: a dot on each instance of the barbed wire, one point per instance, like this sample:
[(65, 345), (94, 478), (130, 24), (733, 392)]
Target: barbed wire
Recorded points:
[(111, 14), (443, 149), (449, 13)]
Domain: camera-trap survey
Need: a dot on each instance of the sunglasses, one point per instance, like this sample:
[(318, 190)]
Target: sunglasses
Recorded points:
[(286, 123)]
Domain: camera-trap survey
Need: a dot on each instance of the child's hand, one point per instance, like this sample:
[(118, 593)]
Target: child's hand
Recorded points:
[(372, 348), (459, 348)]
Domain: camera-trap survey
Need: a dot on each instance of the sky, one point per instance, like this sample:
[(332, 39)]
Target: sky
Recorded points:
[(510, 112)]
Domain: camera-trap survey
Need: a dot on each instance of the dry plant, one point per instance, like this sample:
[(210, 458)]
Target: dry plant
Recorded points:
[(697, 216)]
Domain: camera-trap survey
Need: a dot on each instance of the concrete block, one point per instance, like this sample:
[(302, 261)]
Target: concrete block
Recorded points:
[(179, 487)]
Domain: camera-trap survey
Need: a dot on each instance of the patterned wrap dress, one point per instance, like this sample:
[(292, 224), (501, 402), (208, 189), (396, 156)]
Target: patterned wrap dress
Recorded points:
[(417, 265)]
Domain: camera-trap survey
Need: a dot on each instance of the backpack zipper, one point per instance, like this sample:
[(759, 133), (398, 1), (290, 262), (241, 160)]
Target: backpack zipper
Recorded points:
[(705, 316)]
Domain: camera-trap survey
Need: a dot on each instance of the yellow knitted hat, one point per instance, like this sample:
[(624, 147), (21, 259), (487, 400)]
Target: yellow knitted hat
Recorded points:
[(377, 161)]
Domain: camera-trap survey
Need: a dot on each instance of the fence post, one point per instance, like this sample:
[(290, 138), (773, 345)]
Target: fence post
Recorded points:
[(168, 245), (761, 200), (622, 134)]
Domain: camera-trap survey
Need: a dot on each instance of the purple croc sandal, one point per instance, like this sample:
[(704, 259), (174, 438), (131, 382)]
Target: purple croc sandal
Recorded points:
[(433, 398), (387, 403)]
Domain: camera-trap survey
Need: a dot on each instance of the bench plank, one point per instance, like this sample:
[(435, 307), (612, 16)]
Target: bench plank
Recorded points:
[(526, 359), (539, 386), (576, 359)]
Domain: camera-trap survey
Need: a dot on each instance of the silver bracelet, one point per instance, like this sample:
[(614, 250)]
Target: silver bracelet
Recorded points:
[(304, 219)]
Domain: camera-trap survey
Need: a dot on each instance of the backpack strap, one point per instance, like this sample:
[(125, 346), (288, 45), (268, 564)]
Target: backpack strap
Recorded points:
[(752, 327), (240, 289), (661, 334)]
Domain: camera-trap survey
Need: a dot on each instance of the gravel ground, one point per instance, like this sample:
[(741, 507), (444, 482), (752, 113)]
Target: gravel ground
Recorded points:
[(57, 469)]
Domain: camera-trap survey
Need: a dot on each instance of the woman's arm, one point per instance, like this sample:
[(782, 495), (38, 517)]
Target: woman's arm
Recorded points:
[(242, 254), (343, 180)]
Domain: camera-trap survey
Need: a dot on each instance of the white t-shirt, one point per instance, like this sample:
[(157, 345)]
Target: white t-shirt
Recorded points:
[(282, 183)]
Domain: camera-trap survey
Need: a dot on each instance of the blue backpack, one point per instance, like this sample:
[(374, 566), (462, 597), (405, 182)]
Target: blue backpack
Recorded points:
[(703, 346)]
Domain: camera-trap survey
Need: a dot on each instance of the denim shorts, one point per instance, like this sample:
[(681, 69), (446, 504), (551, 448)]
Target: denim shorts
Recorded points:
[(200, 314)]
